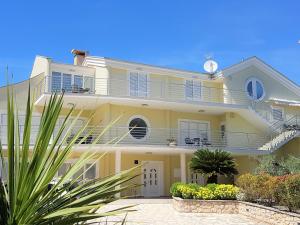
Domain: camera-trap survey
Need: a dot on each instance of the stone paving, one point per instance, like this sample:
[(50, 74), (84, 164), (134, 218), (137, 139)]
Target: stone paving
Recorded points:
[(161, 212)]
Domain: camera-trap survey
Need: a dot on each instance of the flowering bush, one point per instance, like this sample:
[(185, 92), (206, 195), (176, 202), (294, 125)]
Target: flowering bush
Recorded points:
[(204, 193), (226, 191), (269, 190), (208, 192), (186, 191), (287, 191)]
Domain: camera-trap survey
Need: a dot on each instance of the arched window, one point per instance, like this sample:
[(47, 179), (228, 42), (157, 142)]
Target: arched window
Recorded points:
[(138, 128), (255, 89)]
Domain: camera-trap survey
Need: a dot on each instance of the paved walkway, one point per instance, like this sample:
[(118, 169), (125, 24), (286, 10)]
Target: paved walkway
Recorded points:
[(161, 212)]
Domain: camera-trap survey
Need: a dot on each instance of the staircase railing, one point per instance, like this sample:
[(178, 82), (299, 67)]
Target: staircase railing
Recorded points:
[(282, 131)]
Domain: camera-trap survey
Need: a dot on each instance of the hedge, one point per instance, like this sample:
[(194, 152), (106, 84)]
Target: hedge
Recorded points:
[(208, 192)]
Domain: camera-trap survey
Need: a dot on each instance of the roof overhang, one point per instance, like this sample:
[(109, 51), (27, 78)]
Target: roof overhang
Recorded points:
[(94, 61)]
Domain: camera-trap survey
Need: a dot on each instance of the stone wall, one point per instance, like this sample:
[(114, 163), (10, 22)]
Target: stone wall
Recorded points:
[(261, 213), (203, 206), (268, 214)]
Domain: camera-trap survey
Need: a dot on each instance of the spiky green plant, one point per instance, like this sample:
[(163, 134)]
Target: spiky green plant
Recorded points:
[(25, 197), (213, 163)]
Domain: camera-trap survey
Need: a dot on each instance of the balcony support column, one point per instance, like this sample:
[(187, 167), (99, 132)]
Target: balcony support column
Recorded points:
[(183, 167), (118, 160)]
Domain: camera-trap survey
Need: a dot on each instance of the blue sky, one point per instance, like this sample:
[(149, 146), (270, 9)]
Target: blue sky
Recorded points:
[(171, 33)]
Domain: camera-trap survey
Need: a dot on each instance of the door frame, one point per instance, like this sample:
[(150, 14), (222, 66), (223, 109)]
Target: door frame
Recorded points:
[(160, 181)]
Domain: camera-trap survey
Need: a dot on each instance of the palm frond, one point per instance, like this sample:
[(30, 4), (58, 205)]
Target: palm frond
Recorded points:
[(26, 198)]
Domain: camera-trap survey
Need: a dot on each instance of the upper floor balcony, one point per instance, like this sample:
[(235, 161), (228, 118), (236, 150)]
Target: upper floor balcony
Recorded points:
[(138, 87)]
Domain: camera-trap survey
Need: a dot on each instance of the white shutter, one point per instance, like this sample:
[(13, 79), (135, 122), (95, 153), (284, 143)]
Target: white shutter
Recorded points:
[(184, 131), (142, 85), (189, 89), (133, 84), (196, 90), (277, 114)]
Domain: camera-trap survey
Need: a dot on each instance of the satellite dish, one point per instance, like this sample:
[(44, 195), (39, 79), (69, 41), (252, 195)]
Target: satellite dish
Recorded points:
[(210, 66)]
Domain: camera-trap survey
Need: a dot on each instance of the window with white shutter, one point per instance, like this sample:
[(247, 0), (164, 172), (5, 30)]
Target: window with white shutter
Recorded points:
[(138, 84), (193, 90), (277, 113)]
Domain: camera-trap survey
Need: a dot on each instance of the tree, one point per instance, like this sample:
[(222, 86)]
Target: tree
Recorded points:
[(25, 198), (213, 163)]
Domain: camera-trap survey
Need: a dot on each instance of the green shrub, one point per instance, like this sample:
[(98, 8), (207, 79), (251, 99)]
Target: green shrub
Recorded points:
[(204, 193), (226, 192), (211, 187), (288, 191), (174, 189), (194, 186)]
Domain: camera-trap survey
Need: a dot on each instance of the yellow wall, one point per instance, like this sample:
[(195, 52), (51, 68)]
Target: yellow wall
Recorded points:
[(291, 148)]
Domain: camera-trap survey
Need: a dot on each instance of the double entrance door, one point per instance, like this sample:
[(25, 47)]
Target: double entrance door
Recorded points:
[(152, 178)]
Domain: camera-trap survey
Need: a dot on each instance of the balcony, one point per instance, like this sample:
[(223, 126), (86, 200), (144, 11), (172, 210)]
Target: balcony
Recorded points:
[(175, 91), (160, 138)]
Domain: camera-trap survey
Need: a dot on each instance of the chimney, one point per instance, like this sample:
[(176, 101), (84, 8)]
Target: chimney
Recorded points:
[(79, 56)]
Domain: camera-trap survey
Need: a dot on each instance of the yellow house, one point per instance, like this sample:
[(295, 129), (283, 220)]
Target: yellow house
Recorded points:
[(248, 109)]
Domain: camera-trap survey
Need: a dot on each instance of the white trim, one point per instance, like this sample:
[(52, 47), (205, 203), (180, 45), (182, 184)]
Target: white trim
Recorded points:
[(254, 80), (148, 127), (161, 176)]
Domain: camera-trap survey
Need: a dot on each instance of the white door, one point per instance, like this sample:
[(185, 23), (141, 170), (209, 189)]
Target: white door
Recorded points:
[(152, 179)]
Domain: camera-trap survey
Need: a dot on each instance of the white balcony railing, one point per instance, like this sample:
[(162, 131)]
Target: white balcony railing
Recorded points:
[(140, 136), (155, 90)]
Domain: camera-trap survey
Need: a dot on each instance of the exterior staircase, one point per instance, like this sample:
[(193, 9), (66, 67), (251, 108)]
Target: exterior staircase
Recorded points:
[(280, 140), (282, 133)]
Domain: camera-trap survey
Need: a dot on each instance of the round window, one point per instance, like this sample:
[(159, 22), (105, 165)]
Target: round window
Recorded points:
[(255, 89), (138, 128)]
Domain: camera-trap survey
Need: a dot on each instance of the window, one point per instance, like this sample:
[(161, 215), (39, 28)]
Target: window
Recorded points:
[(78, 81), (196, 178), (223, 131), (71, 83), (90, 171), (277, 113), (193, 89), (67, 83), (56, 82), (255, 89), (194, 132), (138, 128), (3, 169), (138, 84)]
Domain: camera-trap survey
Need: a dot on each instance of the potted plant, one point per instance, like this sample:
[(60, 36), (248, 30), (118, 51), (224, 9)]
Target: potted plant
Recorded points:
[(172, 141)]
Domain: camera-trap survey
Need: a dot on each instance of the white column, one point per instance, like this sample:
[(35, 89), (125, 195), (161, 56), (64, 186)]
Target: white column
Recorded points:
[(118, 161), (183, 167), (118, 158)]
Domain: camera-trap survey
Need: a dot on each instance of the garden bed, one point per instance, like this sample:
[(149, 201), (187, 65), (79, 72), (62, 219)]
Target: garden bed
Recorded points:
[(262, 213)]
